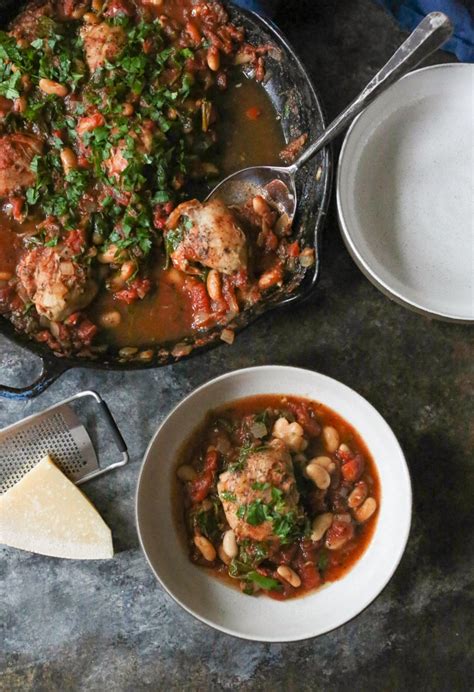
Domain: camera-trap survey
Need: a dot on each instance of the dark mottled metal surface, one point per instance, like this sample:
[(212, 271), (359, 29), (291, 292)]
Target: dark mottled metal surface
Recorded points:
[(108, 626)]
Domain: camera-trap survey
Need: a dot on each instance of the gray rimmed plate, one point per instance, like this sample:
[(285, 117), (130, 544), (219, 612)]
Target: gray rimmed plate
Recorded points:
[(405, 191)]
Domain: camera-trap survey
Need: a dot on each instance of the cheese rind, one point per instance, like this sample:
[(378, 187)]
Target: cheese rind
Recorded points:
[(46, 513)]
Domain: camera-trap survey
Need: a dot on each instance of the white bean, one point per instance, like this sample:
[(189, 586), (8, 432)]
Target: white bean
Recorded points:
[(51, 88), (229, 544), (326, 462), (358, 495), (319, 476), (331, 438), (206, 548), (289, 575), (223, 555), (186, 473), (291, 433), (68, 159), (366, 510), (213, 284), (320, 525), (110, 319)]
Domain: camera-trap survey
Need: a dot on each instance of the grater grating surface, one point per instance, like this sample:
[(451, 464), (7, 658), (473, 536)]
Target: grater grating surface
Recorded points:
[(58, 432)]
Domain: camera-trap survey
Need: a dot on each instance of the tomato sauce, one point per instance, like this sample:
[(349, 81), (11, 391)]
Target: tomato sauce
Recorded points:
[(209, 505)]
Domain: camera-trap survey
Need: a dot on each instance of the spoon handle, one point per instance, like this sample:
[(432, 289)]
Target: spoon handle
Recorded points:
[(429, 35)]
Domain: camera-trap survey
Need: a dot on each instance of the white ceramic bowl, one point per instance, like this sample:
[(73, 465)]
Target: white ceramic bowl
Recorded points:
[(262, 618), (405, 191)]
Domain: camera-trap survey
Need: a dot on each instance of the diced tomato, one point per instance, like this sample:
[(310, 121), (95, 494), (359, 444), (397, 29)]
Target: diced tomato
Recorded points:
[(137, 289), (293, 249), (200, 302), (86, 331), (201, 486), (75, 241), (119, 7), (73, 319), (352, 470), (303, 415), (253, 113), (339, 533), (310, 577), (17, 207), (89, 123)]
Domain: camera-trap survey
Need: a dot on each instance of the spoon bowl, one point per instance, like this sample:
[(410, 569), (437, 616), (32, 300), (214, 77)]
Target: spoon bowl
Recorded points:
[(277, 183)]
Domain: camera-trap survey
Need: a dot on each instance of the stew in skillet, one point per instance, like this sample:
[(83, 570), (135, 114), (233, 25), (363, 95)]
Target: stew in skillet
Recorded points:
[(115, 116)]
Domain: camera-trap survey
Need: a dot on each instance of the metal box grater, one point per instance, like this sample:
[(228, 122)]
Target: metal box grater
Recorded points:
[(59, 432)]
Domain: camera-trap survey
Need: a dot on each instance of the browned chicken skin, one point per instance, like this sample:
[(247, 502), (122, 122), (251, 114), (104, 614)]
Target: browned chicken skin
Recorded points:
[(16, 154), (102, 43), (214, 239), (272, 466), (56, 284), (25, 25)]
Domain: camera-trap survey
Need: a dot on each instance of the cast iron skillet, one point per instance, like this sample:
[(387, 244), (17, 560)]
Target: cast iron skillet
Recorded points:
[(295, 100)]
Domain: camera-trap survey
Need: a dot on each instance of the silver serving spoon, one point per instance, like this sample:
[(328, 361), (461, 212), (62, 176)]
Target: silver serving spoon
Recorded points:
[(278, 182)]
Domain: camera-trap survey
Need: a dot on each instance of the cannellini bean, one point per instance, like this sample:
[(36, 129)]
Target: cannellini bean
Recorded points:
[(366, 510), (146, 355), (186, 473), (68, 159), (205, 547), (214, 285), (5, 276), (320, 525), (319, 476), (51, 88), (110, 319), (272, 277), (260, 205), (229, 544), (358, 495), (213, 58), (326, 462), (91, 18), (331, 438), (344, 449), (289, 575), (291, 434), (223, 555), (20, 105), (128, 351), (127, 270), (109, 255)]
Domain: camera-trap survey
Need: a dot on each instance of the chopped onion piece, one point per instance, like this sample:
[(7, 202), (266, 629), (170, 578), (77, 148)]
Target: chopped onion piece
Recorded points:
[(258, 430)]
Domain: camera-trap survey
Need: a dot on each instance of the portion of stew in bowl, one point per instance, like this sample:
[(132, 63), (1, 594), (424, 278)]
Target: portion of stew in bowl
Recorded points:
[(114, 116), (279, 494)]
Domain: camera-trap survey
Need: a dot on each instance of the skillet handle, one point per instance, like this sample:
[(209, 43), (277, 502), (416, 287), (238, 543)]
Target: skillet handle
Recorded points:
[(50, 371)]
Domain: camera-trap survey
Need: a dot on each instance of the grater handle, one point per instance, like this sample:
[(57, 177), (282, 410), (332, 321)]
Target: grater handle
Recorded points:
[(50, 371), (116, 434), (114, 429)]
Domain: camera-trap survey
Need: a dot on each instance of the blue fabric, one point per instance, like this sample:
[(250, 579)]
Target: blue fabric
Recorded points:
[(409, 13)]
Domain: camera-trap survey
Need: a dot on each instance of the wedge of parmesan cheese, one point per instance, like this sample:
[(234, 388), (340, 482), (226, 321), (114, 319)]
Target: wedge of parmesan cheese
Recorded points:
[(46, 513)]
